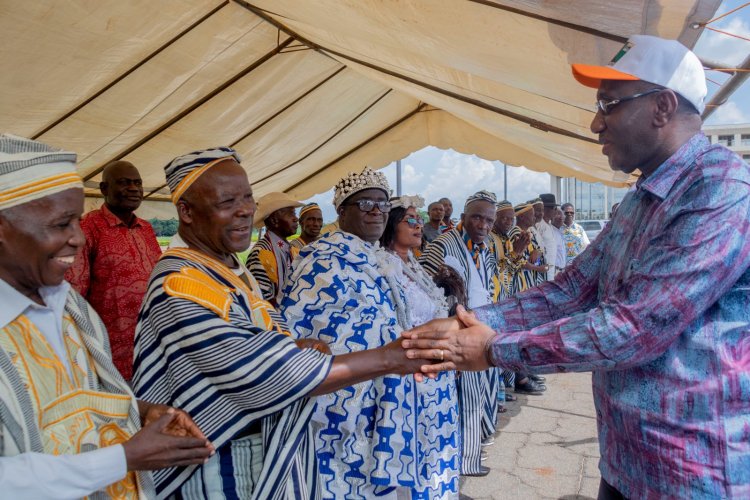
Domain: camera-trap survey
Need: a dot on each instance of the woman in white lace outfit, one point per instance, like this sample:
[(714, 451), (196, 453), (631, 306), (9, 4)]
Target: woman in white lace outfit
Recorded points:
[(438, 427)]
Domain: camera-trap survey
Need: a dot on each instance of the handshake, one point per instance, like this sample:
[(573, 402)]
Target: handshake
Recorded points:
[(461, 343)]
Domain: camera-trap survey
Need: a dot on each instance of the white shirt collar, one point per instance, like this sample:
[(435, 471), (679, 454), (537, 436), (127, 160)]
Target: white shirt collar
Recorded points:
[(16, 304)]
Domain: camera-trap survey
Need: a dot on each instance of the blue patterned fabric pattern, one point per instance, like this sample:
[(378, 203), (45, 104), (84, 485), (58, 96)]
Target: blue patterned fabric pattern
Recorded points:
[(438, 435), (366, 435)]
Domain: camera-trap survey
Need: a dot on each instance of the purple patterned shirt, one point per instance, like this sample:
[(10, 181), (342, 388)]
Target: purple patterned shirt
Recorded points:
[(658, 307)]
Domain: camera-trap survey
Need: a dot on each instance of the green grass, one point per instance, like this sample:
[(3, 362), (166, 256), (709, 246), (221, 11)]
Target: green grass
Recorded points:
[(164, 243)]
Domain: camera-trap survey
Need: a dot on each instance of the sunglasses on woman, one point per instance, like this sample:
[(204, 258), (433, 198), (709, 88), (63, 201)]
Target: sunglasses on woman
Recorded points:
[(419, 221)]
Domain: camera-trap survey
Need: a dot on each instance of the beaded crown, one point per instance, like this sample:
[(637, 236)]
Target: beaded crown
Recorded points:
[(354, 183)]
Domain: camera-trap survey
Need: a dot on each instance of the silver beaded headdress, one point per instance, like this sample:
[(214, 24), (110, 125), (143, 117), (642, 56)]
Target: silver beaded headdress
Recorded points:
[(354, 183), (407, 201)]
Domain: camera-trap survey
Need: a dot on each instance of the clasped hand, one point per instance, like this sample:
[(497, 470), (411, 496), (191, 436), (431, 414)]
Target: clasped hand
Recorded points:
[(457, 343), (168, 438)]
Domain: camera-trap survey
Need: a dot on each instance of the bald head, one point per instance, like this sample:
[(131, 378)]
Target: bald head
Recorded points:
[(122, 189)]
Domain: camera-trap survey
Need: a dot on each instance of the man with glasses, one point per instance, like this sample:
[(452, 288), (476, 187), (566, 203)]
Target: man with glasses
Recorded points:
[(366, 437), (657, 306), (574, 237), (111, 269)]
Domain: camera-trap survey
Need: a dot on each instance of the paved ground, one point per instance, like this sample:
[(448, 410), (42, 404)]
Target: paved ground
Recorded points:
[(546, 446)]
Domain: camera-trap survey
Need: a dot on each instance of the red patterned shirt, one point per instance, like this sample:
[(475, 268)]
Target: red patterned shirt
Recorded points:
[(111, 271)]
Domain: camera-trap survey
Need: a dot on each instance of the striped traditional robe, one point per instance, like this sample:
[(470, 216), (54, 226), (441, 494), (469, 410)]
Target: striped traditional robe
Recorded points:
[(477, 391), (525, 279), (508, 265), (19, 425), (207, 343), (270, 264)]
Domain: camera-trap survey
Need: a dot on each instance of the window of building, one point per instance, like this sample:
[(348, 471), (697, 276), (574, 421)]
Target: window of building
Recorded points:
[(745, 140), (726, 140), (746, 157)]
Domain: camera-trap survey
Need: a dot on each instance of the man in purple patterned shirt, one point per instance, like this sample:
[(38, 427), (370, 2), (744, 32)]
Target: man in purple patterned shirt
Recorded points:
[(658, 307)]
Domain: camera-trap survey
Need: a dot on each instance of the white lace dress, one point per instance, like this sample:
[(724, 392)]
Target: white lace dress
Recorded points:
[(438, 435)]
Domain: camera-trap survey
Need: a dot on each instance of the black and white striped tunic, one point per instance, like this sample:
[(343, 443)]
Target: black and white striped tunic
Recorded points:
[(230, 374)]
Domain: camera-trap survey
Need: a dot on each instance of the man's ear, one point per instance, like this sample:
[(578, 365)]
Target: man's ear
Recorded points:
[(666, 107), (184, 211), (104, 188), (462, 218)]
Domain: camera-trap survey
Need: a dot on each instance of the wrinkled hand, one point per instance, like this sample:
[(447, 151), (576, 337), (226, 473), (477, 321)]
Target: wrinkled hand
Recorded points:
[(441, 325), (457, 343), (154, 447), (318, 345), (395, 354), (181, 426), (521, 242)]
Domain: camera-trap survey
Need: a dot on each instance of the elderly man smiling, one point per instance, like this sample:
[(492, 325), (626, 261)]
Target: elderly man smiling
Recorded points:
[(69, 424), (208, 341)]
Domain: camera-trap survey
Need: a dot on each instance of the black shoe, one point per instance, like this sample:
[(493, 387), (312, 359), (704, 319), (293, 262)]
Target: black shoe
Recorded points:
[(531, 387), (538, 378), (483, 471)]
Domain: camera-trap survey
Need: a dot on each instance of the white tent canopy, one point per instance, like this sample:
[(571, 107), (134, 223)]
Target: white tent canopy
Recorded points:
[(309, 90)]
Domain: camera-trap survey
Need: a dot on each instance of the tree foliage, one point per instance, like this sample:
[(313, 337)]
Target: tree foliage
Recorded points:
[(164, 227)]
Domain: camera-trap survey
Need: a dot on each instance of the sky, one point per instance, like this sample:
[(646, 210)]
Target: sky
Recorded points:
[(434, 173)]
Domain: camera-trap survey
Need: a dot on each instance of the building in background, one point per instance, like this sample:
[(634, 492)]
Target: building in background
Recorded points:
[(735, 137), (592, 201)]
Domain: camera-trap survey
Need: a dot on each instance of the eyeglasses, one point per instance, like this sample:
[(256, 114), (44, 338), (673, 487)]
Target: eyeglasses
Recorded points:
[(368, 205), (569, 213), (606, 106), (419, 221)]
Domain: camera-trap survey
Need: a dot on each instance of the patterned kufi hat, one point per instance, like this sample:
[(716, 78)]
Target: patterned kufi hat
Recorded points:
[(308, 208), (523, 207), (30, 170), (184, 170), (481, 196), (407, 201), (354, 183), (504, 205)]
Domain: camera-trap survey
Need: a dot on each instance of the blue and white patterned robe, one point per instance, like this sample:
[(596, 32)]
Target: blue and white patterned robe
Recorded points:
[(366, 434), (229, 373)]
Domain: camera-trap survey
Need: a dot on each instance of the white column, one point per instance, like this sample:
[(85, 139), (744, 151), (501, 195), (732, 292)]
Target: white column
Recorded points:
[(555, 183)]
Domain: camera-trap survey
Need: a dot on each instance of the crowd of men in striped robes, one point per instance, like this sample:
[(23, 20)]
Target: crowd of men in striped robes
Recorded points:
[(225, 383)]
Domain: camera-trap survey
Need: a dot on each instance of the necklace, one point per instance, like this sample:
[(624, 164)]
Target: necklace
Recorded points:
[(413, 271)]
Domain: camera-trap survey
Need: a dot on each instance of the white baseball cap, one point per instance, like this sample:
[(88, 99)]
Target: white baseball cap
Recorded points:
[(652, 59)]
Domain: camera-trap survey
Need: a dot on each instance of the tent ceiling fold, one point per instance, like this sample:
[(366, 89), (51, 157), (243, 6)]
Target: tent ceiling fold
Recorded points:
[(307, 91)]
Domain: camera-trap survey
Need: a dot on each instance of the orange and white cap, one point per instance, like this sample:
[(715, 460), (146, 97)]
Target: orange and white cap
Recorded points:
[(652, 59), (30, 170)]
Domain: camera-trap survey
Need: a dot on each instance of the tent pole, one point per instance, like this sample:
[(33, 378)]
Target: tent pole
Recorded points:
[(398, 177), (505, 181)]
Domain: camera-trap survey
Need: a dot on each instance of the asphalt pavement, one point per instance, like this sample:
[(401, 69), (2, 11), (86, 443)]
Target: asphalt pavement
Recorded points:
[(545, 447)]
